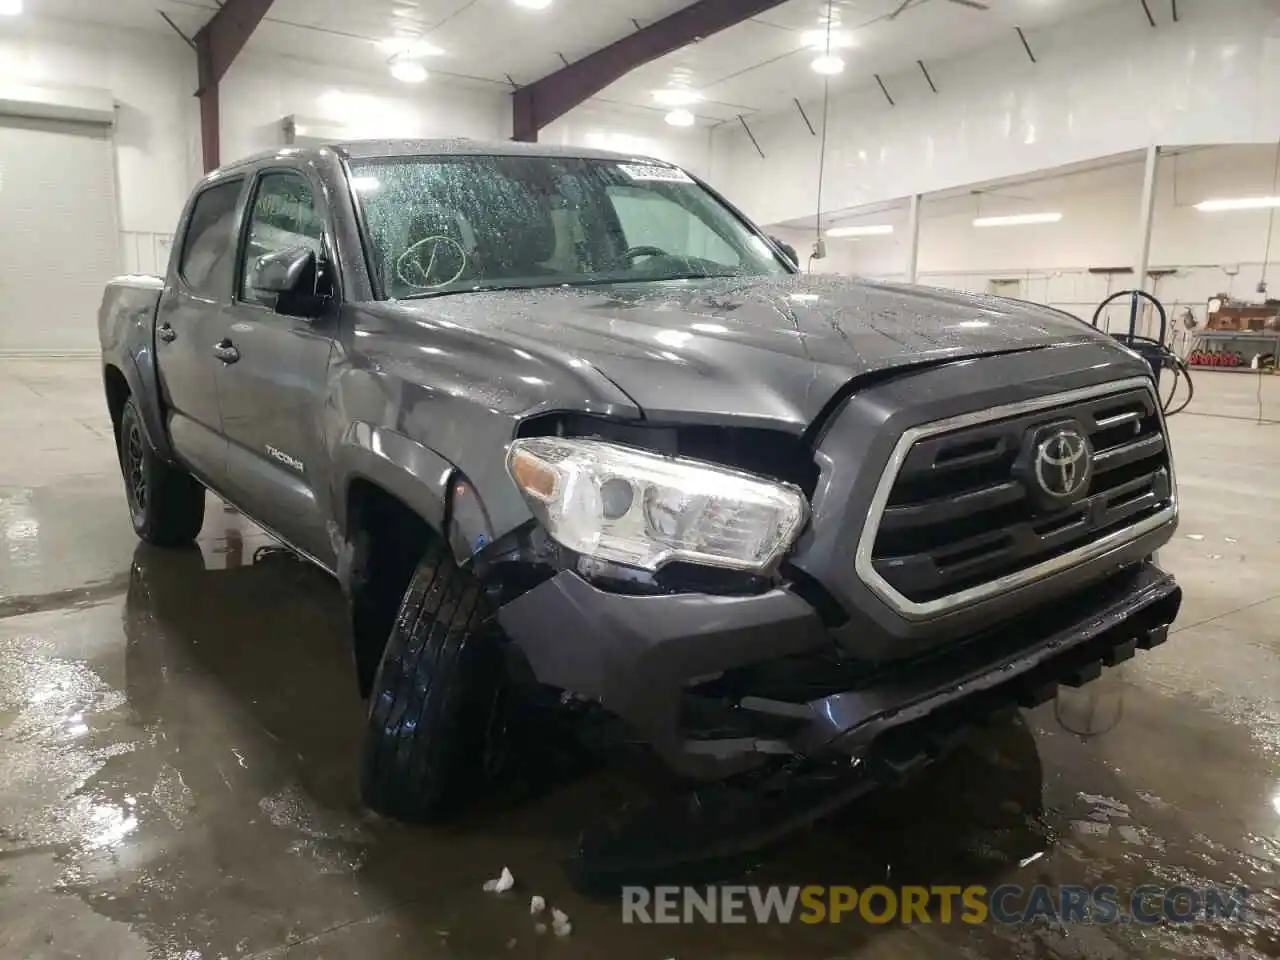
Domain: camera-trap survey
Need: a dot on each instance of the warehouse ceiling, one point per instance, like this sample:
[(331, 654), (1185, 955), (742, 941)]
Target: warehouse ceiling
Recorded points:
[(756, 67)]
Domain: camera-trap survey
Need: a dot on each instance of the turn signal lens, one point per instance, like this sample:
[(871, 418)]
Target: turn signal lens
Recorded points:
[(532, 476)]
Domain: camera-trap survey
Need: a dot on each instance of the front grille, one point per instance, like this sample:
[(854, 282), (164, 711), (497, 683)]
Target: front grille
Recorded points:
[(961, 513)]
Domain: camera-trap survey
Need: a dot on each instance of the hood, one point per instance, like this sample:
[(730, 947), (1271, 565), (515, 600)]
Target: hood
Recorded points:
[(766, 350)]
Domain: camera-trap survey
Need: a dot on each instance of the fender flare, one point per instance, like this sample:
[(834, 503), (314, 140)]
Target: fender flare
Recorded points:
[(144, 388), (424, 481)]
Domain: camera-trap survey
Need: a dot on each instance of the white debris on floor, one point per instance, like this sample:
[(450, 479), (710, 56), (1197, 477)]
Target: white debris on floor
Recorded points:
[(501, 884), (537, 905), (560, 923)]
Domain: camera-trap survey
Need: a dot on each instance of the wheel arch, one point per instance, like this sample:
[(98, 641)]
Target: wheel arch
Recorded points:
[(394, 496), (126, 376)]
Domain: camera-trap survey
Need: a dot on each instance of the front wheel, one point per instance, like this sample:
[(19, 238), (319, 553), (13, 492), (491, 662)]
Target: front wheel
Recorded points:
[(437, 726), (166, 504)]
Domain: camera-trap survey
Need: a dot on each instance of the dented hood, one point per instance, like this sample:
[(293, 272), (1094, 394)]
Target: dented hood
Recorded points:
[(773, 350)]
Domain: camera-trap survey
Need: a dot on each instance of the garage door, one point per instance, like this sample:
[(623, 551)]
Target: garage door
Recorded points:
[(58, 238)]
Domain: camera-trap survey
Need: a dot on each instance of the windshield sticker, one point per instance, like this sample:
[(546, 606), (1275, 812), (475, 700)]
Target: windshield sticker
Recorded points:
[(651, 171)]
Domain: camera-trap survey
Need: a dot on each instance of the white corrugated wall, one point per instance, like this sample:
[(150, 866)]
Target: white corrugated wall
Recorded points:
[(59, 236)]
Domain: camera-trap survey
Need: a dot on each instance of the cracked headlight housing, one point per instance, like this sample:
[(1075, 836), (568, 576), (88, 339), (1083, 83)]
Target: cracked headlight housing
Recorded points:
[(642, 509)]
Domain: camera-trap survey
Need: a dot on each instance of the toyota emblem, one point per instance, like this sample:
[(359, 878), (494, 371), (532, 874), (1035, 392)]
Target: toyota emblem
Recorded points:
[(1063, 463)]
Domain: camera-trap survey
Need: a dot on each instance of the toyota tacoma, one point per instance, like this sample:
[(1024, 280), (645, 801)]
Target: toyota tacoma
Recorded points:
[(570, 430)]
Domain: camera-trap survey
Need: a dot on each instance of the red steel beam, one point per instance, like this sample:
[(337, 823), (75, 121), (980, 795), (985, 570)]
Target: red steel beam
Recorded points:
[(210, 127), (217, 44), (550, 98)]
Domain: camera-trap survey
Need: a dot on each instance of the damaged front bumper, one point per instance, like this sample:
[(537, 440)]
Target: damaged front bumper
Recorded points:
[(719, 685)]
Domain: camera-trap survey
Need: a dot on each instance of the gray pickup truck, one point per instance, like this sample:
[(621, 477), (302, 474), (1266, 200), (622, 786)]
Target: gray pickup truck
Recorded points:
[(571, 431)]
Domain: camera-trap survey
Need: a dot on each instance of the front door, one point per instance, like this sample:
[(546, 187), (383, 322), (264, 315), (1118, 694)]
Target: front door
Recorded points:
[(194, 310), (272, 380)]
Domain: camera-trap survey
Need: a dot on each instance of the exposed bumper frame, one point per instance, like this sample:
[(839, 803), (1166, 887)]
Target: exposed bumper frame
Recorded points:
[(638, 656)]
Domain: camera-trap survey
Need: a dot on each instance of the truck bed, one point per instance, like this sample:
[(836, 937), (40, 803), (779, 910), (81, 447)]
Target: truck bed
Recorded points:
[(126, 317)]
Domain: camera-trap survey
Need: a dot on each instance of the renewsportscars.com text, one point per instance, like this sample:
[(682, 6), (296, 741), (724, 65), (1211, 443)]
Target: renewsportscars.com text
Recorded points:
[(1008, 904)]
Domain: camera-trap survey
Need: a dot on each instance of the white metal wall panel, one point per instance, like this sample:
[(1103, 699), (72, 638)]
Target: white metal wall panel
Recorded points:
[(59, 242)]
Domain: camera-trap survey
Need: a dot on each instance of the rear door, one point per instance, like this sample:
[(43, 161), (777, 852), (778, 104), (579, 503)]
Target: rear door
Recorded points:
[(193, 311), (273, 383)]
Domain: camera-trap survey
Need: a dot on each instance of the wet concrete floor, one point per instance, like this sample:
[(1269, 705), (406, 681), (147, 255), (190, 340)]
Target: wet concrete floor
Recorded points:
[(179, 734)]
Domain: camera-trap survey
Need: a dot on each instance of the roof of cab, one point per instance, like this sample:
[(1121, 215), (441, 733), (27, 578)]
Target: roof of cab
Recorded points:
[(390, 149), (376, 149)]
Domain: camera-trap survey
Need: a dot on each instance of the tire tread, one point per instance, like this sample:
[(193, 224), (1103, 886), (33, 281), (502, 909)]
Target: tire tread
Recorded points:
[(423, 752)]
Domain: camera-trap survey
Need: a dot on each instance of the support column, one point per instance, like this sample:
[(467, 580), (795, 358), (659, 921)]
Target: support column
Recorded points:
[(913, 239), (217, 44), (1146, 216), (210, 128)]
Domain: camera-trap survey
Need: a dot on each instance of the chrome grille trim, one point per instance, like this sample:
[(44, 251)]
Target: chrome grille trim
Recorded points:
[(913, 610)]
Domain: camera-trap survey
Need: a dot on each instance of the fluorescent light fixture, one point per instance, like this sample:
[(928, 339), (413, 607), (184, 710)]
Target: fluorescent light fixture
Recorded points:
[(408, 71), (10, 8), (828, 65), (676, 96), (869, 230), (365, 184), (680, 118), (532, 4), (1017, 220), (1239, 203)]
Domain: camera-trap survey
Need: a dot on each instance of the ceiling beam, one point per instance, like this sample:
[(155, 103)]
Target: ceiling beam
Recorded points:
[(550, 98), (217, 44), (220, 41)]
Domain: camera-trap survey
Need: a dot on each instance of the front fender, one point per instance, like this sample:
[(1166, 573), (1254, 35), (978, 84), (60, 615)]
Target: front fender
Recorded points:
[(421, 479), (416, 475)]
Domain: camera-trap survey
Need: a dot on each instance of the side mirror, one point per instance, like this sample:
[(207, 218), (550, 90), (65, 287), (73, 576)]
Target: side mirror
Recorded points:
[(786, 248), (290, 281)]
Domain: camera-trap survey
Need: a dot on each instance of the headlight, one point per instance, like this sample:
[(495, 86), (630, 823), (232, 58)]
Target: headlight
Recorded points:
[(643, 509)]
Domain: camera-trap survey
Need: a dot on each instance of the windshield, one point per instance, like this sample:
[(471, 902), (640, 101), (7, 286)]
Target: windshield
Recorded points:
[(438, 225)]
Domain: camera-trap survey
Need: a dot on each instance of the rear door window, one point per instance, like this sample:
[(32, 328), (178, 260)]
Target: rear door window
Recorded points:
[(208, 252)]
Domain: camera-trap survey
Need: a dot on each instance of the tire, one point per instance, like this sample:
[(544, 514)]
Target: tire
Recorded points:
[(166, 504), (437, 726)]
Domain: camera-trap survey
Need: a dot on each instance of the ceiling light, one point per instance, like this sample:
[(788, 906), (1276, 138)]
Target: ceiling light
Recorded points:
[(676, 96), (1239, 203), (680, 118), (405, 47), (817, 39), (1017, 220), (10, 8), (828, 65), (532, 4), (408, 71), (870, 230), (365, 184)]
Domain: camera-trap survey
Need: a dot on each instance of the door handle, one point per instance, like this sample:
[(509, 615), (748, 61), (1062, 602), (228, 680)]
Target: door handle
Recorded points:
[(226, 351), (166, 332)]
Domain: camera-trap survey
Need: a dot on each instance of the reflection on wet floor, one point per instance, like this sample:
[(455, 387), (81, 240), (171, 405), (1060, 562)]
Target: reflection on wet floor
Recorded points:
[(179, 780)]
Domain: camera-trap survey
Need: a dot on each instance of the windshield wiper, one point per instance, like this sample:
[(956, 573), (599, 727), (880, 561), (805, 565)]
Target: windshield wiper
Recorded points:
[(587, 282), (432, 294), (698, 276), (606, 281)]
